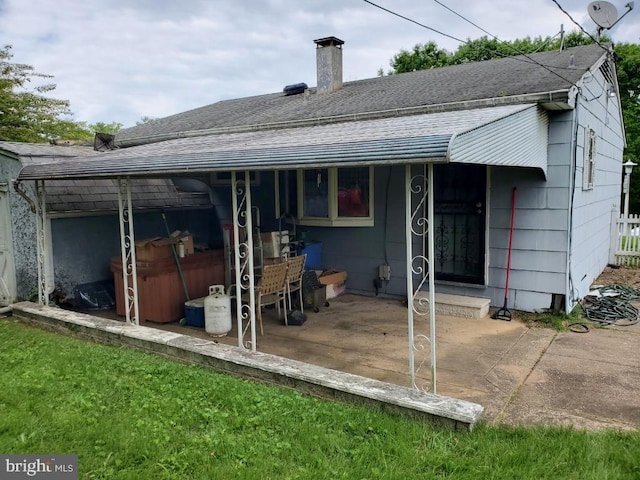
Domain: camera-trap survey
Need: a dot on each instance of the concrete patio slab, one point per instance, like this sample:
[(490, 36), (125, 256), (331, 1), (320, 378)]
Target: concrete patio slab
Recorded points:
[(519, 374), (590, 380)]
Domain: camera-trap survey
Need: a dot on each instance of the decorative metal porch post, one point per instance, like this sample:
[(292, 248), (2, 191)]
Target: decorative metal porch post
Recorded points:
[(41, 242), (417, 226), (243, 259), (128, 252)]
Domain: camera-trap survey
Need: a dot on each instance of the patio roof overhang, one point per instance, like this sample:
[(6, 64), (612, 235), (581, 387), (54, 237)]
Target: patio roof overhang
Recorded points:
[(511, 135)]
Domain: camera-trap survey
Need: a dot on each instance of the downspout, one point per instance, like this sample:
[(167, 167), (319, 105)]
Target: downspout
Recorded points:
[(17, 186), (4, 310), (574, 159)]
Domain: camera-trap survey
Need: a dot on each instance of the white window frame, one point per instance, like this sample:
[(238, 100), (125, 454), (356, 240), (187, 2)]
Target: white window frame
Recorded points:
[(589, 164), (332, 219)]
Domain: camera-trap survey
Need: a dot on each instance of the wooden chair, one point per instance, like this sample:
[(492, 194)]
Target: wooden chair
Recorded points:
[(295, 269), (271, 290)]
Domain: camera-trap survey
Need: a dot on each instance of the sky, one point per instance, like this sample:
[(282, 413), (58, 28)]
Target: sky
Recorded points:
[(121, 60)]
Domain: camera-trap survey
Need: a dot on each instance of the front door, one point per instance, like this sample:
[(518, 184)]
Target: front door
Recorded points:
[(460, 193), (7, 269)]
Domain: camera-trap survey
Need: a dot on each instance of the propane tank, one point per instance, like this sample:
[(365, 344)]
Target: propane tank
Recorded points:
[(217, 312)]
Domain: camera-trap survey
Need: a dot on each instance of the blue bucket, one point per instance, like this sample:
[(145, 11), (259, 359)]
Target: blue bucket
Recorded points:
[(314, 255)]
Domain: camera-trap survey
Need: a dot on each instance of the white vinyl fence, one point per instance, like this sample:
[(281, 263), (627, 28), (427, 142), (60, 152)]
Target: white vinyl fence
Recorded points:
[(625, 240)]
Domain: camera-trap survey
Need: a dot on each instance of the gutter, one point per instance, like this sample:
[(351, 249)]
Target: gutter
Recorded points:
[(556, 96)]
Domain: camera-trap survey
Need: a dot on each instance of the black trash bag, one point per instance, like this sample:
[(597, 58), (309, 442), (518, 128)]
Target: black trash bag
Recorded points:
[(296, 317)]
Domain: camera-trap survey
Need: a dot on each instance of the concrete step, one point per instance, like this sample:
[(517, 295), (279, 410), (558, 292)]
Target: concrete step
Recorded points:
[(453, 305)]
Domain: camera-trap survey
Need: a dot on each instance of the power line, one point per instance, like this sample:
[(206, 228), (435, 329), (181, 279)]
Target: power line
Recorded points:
[(504, 43), (417, 23), (465, 19), (580, 26), (531, 60), (487, 32)]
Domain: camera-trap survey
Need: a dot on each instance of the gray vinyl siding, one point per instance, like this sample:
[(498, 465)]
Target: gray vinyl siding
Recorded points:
[(590, 232), (359, 250), (538, 259), (538, 265)]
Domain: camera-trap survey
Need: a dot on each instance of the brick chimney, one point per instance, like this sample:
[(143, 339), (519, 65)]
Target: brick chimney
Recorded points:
[(329, 64)]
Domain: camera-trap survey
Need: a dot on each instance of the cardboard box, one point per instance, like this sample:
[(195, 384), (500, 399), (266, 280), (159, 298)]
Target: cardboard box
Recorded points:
[(275, 244), (335, 289), (188, 244), (157, 248), (335, 282), (152, 249), (331, 276)]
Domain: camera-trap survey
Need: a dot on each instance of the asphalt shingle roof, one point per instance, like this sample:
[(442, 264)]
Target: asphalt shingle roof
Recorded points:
[(405, 139), (507, 77)]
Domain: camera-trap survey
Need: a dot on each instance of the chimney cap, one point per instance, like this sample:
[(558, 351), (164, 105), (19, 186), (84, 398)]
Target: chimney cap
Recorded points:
[(328, 42)]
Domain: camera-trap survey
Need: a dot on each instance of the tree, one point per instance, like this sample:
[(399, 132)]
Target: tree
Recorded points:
[(28, 115), (102, 127), (427, 56), (421, 58), (628, 72), (485, 48), (145, 120)]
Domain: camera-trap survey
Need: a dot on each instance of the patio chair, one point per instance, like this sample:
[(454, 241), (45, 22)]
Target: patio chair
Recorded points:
[(271, 290), (295, 269)]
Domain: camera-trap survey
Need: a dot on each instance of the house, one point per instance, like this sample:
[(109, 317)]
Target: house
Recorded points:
[(81, 226), (431, 156)]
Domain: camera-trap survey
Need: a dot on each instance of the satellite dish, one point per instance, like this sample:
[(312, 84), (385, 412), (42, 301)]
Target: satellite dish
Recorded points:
[(604, 14)]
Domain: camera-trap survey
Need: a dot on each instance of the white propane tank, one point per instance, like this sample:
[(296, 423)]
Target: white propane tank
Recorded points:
[(217, 312)]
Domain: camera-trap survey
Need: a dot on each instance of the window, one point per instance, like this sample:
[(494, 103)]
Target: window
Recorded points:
[(589, 167), (336, 196)]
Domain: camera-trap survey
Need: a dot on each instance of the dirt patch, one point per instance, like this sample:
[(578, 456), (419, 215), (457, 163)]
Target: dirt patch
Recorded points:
[(629, 276)]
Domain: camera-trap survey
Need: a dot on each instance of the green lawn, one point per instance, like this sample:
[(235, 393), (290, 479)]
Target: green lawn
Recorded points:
[(131, 415), (631, 243)]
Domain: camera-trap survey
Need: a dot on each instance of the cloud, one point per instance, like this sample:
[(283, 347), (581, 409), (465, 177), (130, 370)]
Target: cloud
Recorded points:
[(119, 60)]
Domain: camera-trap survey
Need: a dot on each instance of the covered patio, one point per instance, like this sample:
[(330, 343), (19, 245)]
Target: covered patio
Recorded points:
[(414, 143), (480, 360)]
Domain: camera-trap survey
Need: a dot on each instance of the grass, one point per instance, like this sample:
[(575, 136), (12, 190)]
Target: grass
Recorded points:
[(131, 415), (630, 243), (558, 321)]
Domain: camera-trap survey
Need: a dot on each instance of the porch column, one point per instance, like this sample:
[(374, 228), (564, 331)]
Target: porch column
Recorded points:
[(41, 242), (128, 251), (243, 259), (418, 192)]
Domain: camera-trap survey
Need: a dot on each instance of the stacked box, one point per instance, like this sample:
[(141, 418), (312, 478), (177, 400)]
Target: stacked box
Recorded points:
[(335, 282), (275, 244)]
